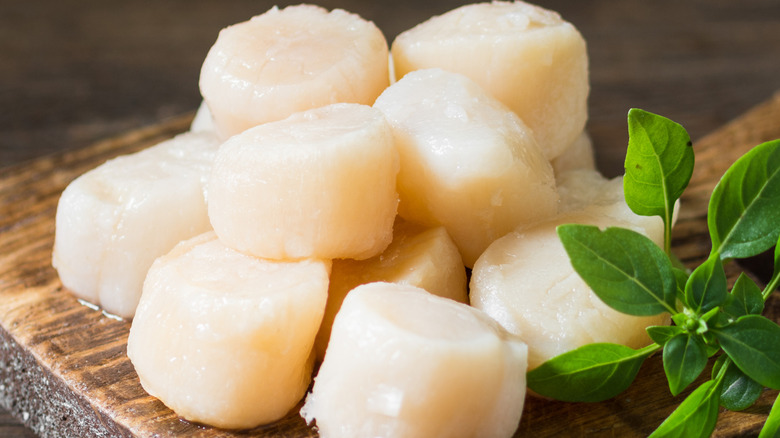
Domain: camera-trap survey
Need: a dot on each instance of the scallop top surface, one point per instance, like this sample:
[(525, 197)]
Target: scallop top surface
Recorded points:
[(497, 19)]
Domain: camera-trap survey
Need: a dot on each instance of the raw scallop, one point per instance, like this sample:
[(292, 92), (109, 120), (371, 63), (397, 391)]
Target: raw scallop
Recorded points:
[(418, 256), (319, 184), (114, 220), (290, 60), (405, 363), (525, 281), (467, 162), (526, 56), (225, 339)]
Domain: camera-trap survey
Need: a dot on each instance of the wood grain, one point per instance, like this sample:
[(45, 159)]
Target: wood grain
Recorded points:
[(65, 368)]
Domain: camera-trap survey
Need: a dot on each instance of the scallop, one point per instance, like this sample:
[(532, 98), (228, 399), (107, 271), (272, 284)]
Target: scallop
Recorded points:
[(468, 163), (225, 339), (114, 220), (525, 281), (425, 257), (318, 184), (405, 363), (290, 60), (528, 57)]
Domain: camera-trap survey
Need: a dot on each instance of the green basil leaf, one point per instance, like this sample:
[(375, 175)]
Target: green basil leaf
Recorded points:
[(712, 350), (744, 211), (659, 163), (737, 391), (625, 269), (682, 278), (773, 282), (695, 416), (684, 359), (660, 334), (771, 427), (594, 372), (777, 259), (753, 343), (706, 288), (711, 313), (745, 298), (722, 319), (719, 362)]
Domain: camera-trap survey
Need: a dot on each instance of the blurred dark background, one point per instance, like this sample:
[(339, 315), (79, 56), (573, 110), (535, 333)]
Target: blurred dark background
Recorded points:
[(74, 72)]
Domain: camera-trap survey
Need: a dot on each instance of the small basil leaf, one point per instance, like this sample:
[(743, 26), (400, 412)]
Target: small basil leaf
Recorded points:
[(696, 415), (681, 319), (753, 343), (744, 211), (712, 350), (684, 359), (722, 319), (659, 163), (773, 282), (682, 278), (660, 334), (745, 298), (711, 313), (737, 391), (771, 427), (706, 287), (625, 269), (690, 322), (594, 372)]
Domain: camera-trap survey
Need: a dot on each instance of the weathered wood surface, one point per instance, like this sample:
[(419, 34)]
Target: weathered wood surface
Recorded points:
[(64, 363), (75, 72)]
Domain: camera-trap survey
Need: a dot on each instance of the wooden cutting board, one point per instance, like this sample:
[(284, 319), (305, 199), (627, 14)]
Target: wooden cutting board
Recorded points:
[(63, 367)]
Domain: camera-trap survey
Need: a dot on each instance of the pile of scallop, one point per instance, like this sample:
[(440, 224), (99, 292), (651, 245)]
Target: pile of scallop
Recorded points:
[(325, 208)]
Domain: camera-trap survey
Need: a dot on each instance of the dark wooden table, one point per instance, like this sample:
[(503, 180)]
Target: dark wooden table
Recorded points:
[(72, 73)]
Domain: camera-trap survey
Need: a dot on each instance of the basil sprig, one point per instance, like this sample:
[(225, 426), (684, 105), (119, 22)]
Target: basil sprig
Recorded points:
[(659, 165), (631, 274)]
